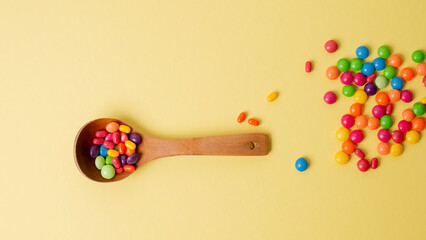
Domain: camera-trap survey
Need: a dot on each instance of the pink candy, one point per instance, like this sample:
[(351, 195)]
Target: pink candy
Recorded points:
[(108, 137), (116, 138), (359, 79), (359, 153), (397, 136), (347, 121), (378, 111), (330, 97), (347, 78), (371, 78), (124, 137), (101, 133), (384, 135), (406, 96), (404, 126), (356, 136), (98, 141)]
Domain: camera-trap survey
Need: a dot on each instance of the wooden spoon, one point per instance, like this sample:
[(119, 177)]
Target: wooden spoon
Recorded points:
[(253, 144)]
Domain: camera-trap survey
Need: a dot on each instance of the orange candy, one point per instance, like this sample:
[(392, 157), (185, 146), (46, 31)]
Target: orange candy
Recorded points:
[(253, 122), (129, 151), (383, 148), (348, 147), (382, 99), (356, 109), (421, 69), (129, 168), (121, 148), (332, 73), (407, 74), (394, 95), (395, 60), (361, 121), (241, 117), (373, 123), (408, 115), (418, 124)]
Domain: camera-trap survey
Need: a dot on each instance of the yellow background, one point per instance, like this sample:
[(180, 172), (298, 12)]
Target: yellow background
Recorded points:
[(177, 69)]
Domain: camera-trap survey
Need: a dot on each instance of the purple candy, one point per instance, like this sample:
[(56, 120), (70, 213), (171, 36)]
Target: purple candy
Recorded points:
[(123, 159), (347, 78), (360, 79), (406, 96), (94, 151), (370, 89), (378, 111), (132, 159), (384, 135), (135, 138)]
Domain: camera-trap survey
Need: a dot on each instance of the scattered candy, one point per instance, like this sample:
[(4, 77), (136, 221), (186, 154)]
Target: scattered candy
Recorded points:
[(356, 136), (379, 64), (397, 83), (383, 52), (241, 117), (347, 121), (342, 134), (330, 46), (356, 64), (272, 96), (341, 158), (332, 73), (359, 153), (418, 56), (343, 65), (406, 96), (330, 97), (348, 90), (396, 149), (374, 163), (386, 122), (370, 89), (373, 123), (363, 165), (383, 148), (362, 52), (381, 82), (418, 124), (301, 164), (395, 60), (421, 69), (308, 66), (394, 95), (253, 122), (382, 99), (407, 74), (347, 78), (384, 135), (418, 108), (389, 72), (348, 147), (356, 109), (361, 122), (360, 97), (412, 137), (397, 136)]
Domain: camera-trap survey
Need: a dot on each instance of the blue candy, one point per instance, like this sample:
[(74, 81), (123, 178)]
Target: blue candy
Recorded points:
[(367, 68), (301, 164), (379, 64), (362, 52), (397, 83), (103, 151)]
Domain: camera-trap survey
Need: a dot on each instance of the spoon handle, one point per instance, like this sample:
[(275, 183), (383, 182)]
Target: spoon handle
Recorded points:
[(253, 144)]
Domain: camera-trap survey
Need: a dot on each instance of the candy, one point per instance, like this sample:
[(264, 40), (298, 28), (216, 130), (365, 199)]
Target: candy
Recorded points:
[(383, 148), (308, 66), (404, 126), (343, 65), (395, 60), (113, 153), (386, 122), (342, 134), (129, 168), (423, 100), (363, 165), (389, 109), (374, 163), (356, 64), (407, 74), (360, 79), (108, 137), (330, 97), (418, 109), (360, 97), (389, 72), (412, 137), (384, 135), (124, 128), (373, 123), (101, 133), (378, 111), (383, 52), (112, 127), (362, 52), (406, 96), (396, 149), (121, 148), (418, 124), (371, 78), (108, 171), (130, 145), (116, 138), (301, 164), (116, 162), (424, 84), (129, 151), (361, 122), (272, 96), (119, 170), (103, 151), (98, 141), (394, 95), (330, 46), (370, 89), (134, 137), (341, 158), (124, 137), (241, 117), (108, 160), (397, 136), (381, 82), (418, 56), (356, 136), (123, 159), (109, 145), (347, 121), (347, 78), (356, 109), (348, 147), (348, 90), (132, 159), (421, 69), (99, 162), (94, 151), (359, 153), (253, 122), (382, 99), (367, 68), (397, 83), (379, 64), (332, 73), (408, 115)]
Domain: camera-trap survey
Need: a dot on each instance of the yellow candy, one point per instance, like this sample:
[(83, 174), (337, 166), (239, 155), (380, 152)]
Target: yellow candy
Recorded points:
[(112, 153), (341, 158), (130, 145), (423, 100), (272, 96), (360, 96), (412, 137), (124, 128), (396, 149), (342, 134)]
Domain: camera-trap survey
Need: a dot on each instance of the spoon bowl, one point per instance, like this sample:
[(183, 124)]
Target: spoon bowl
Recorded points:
[(253, 144)]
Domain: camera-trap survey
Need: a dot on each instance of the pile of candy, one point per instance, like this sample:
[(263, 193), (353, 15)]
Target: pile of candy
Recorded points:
[(114, 150), (364, 75)]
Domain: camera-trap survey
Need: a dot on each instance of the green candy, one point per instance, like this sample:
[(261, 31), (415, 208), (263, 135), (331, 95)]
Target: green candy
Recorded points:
[(116, 147), (356, 64), (99, 162), (108, 160), (348, 90), (343, 65), (418, 108), (108, 171), (383, 52), (389, 72), (418, 56), (381, 82), (386, 121)]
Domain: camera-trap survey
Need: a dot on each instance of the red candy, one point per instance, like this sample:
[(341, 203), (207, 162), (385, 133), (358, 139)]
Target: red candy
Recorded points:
[(108, 137), (389, 109), (374, 163), (359, 153), (397, 136), (109, 145), (356, 136), (363, 165), (404, 126), (384, 135), (116, 138), (98, 141), (116, 162), (330, 46), (119, 170), (308, 66), (348, 121), (371, 78), (101, 133)]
